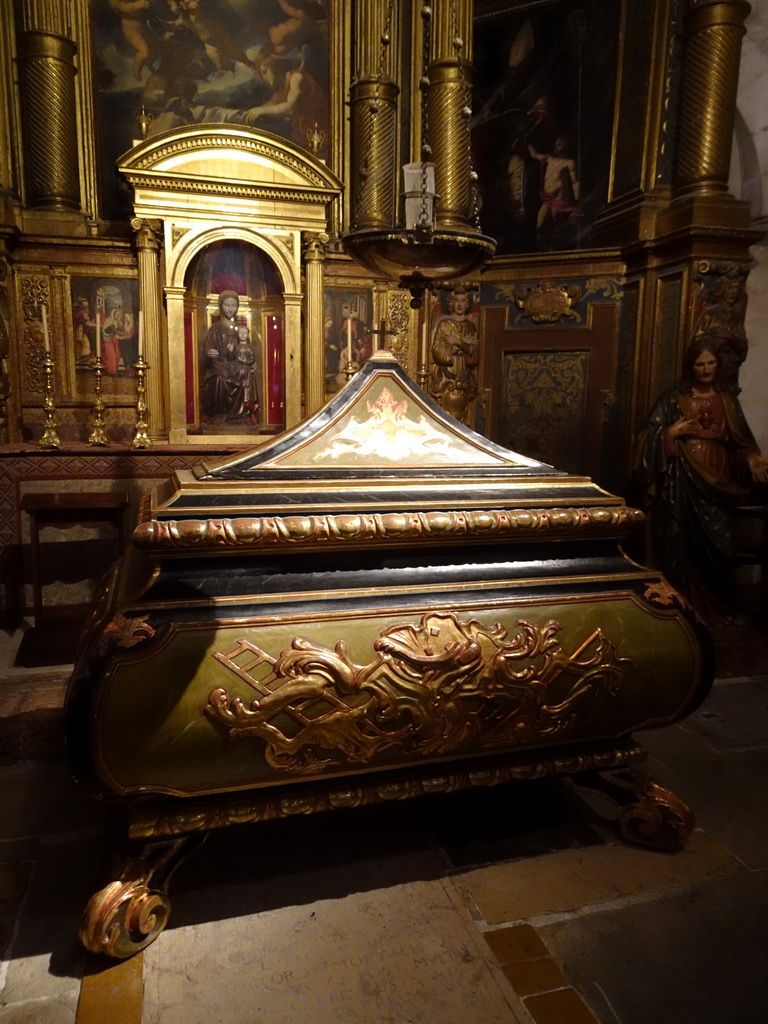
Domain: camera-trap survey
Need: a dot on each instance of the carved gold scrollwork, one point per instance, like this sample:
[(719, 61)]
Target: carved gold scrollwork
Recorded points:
[(440, 687), (149, 233), (647, 814), (660, 592), (314, 244), (361, 790), (548, 302), (34, 295), (398, 316), (658, 819), (128, 914)]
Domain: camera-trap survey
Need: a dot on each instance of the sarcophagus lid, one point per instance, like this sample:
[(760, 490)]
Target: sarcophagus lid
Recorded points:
[(380, 464)]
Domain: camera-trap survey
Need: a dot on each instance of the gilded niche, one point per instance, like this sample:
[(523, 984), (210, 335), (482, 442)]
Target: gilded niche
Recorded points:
[(443, 686)]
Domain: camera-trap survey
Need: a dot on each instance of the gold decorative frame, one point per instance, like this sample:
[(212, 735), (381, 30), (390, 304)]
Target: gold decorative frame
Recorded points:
[(205, 184)]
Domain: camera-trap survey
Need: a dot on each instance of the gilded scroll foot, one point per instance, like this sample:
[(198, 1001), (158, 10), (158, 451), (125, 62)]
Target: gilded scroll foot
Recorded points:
[(648, 814), (131, 911)]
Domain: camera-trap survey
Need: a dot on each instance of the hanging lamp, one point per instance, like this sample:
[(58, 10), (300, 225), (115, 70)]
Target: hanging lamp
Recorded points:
[(433, 232)]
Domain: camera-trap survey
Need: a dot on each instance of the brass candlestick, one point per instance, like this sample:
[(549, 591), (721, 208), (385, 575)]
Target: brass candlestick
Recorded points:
[(141, 437), (351, 369), (50, 438), (98, 435)]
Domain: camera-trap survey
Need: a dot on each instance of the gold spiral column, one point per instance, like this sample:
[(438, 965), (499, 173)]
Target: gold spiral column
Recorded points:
[(448, 113), (712, 41), (373, 118), (48, 105), (148, 237), (314, 358)]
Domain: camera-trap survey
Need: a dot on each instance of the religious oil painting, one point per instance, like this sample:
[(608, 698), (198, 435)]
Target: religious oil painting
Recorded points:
[(260, 63), (105, 324), (346, 333), (542, 119), (234, 342)]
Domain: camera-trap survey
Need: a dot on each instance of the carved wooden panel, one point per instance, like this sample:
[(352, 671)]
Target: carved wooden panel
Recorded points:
[(543, 406), (550, 389)]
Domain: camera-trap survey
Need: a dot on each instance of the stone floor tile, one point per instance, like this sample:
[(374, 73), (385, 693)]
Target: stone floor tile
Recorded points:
[(406, 953), (40, 1011), (507, 822), (734, 715), (572, 879), (693, 957), (14, 879), (531, 977), (45, 957), (725, 788), (111, 991), (520, 942), (563, 1007)]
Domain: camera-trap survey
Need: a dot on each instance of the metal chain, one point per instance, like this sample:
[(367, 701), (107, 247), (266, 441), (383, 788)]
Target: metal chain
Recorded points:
[(424, 227), (373, 108), (466, 110)]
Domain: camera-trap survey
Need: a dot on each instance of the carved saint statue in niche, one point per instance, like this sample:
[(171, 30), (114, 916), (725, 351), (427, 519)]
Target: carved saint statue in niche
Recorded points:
[(454, 352), (229, 390), (722, 307)]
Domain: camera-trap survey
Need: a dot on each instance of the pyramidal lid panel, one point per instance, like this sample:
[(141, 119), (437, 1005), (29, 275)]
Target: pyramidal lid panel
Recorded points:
[(380, 421), (380, 462)]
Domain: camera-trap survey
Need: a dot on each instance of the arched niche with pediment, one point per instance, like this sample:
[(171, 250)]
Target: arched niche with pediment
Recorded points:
[(203, 189)]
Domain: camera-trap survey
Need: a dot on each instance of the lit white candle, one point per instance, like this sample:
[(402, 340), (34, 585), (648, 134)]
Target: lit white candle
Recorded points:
[(424, 344), (98, 332), (140, 335), (46, 339), (349, 339)]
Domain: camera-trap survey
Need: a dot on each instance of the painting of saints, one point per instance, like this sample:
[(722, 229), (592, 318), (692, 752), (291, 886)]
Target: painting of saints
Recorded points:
[(258, 63), (541, 124)]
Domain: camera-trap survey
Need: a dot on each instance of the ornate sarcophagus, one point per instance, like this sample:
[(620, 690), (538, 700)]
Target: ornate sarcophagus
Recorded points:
[(376, 605)]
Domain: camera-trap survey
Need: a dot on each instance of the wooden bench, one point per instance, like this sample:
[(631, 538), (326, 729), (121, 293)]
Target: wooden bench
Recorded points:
[(63, 510)]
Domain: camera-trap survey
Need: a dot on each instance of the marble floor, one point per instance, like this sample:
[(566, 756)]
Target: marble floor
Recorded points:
[(493, 907)]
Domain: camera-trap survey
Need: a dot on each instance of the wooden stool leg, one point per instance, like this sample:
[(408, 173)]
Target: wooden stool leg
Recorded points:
[(37, 585)]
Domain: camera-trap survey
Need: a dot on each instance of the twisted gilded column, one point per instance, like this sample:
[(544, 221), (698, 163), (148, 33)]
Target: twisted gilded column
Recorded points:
[(373, 117), (314, 360), (448, 113), (712, 49), (47, 86), (148, 237)]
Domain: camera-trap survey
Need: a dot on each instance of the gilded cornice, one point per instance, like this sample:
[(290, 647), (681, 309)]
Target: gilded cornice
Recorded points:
[(420, 527), (233, 189), (148, 155)]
